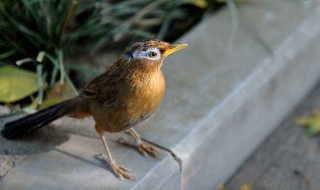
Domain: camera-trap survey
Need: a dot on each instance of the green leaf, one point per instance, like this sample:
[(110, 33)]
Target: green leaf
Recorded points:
[(16, 83), (311, 123), (313, 129)]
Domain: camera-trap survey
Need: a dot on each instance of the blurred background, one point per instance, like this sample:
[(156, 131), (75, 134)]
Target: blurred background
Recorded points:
[(38, 40)]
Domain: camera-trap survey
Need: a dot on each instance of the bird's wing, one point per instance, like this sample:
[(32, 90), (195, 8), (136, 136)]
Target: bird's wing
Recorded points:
[(90, 90), (105, 88)]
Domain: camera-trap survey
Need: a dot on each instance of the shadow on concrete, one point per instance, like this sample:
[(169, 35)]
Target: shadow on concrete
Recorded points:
[(40, 141)]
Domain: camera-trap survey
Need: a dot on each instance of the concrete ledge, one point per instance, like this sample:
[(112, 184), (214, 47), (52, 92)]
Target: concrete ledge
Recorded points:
[(219, 106), (67, 159), (223, 104), (72, 165)]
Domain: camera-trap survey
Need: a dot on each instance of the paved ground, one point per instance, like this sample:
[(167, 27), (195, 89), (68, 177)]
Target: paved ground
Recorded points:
[(287, 160)]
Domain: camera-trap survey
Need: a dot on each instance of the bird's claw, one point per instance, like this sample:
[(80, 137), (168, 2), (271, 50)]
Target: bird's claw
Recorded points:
[(144, 149), (122, 172), (119, 170)]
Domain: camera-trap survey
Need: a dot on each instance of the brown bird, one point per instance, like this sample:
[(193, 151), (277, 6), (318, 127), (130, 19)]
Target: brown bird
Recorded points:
[(124, 96)]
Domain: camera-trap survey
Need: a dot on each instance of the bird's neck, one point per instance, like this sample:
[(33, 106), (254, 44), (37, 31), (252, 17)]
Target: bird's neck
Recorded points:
[(152, 79), (143, 75)]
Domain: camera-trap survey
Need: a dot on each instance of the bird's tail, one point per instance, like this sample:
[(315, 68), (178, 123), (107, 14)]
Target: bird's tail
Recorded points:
[(34, 121)]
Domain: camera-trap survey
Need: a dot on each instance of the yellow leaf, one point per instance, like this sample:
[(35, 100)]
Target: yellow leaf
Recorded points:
[(16, 83), (57, 94), (303, 121), (202, 4), (222, 186), (237, 1), (246, 187)]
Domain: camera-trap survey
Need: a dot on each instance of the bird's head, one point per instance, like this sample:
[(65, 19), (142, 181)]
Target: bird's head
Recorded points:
[(151, 53)]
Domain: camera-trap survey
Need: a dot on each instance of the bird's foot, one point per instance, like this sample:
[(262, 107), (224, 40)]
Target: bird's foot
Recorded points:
[(143, 148), (119, 170)]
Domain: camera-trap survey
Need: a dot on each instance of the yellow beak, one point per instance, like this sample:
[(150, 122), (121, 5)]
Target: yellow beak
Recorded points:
[(175, 47)]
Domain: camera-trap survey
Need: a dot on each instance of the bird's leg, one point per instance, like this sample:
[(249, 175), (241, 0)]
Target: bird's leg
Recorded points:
[(119, 170), (143, 148)]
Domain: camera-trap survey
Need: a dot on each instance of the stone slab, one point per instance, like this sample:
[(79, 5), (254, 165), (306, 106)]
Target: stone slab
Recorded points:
[(221, 104), (64, 156)]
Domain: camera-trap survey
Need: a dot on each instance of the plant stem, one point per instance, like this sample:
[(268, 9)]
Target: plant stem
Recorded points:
[(53, 77), (40, 83), (73, 88), (61, 65), (69, 16)]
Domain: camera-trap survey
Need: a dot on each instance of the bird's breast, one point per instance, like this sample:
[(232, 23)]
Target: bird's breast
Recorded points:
[(147, 97), (137, 105)]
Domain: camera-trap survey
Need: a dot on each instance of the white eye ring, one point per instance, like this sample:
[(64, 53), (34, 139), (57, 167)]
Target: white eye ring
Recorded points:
[(155, 51), (147, 54)]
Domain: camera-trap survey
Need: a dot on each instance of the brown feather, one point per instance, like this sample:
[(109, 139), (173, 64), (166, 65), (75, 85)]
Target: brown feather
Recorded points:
[(128, 93)]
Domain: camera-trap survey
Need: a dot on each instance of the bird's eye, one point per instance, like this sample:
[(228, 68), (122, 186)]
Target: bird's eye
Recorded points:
[(152, 54)]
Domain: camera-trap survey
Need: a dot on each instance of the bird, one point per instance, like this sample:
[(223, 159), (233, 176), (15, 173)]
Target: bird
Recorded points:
[(124, 96)]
